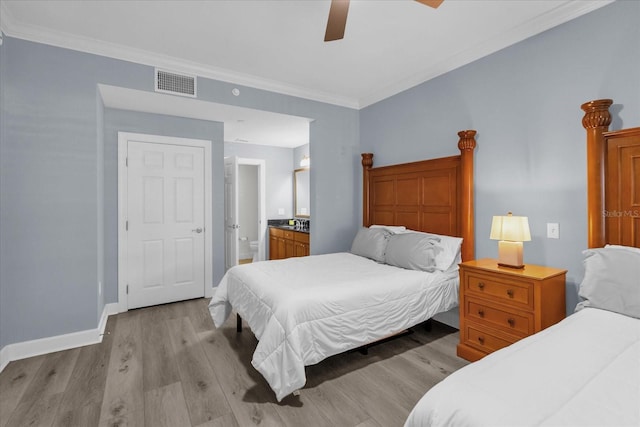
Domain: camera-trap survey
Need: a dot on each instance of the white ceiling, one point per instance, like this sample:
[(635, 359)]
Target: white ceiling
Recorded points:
[(389, 45)]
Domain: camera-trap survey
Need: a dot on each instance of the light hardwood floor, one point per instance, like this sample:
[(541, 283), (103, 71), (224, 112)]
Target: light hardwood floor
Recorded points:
[(168, 366)]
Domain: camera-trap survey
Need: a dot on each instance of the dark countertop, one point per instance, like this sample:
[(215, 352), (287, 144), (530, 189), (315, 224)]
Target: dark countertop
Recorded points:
[(290, 228)]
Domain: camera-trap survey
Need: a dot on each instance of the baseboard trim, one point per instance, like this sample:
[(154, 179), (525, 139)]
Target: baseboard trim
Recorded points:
[(4, 357), (22, 350)]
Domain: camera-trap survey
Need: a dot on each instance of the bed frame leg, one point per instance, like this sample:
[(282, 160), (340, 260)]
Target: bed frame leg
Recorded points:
[(428, 324), (238, 323)]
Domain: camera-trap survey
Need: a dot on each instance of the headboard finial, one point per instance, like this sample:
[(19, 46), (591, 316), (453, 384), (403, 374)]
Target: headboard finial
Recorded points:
[(596, 113), (367, 163), (467, 145), (467, 140), (367, 160), (596, 122)]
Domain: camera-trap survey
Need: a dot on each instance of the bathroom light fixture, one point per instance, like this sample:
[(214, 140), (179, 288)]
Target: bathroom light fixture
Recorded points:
[(305, 162), (511, 231)]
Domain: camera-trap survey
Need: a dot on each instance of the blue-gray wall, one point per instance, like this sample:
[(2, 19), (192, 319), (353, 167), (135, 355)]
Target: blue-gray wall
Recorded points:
[(57, 180), (49, 261), (524, 101), (3, 293), (56, 175), (100, 205), (278, 174)]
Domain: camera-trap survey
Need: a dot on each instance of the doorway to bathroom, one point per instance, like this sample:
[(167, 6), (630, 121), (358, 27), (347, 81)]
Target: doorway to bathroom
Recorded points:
[(245, 208)]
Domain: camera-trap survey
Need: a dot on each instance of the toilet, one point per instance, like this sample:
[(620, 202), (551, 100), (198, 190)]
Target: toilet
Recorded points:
[(253, 245)]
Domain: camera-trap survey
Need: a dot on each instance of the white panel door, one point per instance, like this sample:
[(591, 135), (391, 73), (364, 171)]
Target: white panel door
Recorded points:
[(231, 212), (165, 223)]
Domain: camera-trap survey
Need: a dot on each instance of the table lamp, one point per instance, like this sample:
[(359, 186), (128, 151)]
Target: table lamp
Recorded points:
[(510, 231)]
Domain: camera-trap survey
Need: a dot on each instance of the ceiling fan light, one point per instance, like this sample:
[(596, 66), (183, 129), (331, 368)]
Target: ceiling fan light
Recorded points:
[(431, 3)]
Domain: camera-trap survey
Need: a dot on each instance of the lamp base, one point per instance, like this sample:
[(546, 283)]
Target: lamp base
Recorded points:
[(510, 254), (515, 267)]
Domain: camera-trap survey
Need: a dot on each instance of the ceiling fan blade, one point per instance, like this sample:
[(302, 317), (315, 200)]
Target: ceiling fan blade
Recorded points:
[(432, 3), (337, 20)]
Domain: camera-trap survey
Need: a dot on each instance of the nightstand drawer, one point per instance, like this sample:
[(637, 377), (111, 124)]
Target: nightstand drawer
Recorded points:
[(512, 291), (514, 322), (485, 340)]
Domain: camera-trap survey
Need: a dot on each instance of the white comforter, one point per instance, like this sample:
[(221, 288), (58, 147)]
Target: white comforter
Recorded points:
[(583, 371), (303, 310)]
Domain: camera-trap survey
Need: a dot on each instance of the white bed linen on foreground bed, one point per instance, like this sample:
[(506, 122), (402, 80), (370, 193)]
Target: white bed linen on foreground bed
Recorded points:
[(582, 371), (303, 310)]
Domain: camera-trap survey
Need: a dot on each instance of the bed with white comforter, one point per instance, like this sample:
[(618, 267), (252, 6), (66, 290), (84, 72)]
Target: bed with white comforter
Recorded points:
[(584, 370), (303, 310)]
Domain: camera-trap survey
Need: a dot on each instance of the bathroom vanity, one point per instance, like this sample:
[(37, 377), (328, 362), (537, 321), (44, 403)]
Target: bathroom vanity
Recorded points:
[(287, 241)]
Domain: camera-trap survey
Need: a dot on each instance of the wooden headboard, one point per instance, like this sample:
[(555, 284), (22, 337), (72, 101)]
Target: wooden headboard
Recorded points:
[(433, 195), (613, 179)]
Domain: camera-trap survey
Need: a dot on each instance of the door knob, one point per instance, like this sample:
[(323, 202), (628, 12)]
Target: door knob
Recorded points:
[(197, 230)]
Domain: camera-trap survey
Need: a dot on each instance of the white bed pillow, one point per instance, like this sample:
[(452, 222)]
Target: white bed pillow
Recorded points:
[(611, 281), (450, 255), (413, 251), (628, 248), (393, 229), (371, 243)]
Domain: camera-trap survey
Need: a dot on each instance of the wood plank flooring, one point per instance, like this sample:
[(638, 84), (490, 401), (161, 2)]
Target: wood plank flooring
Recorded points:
[(169, 366)]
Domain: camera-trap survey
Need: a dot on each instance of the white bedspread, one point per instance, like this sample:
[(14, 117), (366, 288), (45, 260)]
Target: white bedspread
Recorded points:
[(303, 310), (584, 371)]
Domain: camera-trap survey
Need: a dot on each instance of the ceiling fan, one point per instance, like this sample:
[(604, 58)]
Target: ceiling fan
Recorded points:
[(338, 17)]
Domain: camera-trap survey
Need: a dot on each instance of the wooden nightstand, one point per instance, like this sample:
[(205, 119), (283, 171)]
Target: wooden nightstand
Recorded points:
[(500, 305)]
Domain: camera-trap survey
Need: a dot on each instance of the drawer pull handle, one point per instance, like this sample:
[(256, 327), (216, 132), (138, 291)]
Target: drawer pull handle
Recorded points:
[(481, 313), (510, 293), (511, 321), (481, 285), (481, 340)]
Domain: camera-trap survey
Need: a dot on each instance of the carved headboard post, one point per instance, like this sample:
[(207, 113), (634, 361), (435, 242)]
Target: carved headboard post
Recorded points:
[(467, 145), (367, 163), (596, 121)]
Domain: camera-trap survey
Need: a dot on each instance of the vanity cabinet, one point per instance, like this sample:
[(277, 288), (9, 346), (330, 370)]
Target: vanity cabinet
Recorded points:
[(287, 243)]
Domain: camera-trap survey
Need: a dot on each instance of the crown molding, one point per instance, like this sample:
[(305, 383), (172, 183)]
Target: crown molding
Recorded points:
[(6, 18), (552, 18), (559, 15), (11, 27)]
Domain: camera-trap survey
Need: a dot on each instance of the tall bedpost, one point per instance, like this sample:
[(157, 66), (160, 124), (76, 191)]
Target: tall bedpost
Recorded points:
[(467, 145), (367, 163), (596, 121)]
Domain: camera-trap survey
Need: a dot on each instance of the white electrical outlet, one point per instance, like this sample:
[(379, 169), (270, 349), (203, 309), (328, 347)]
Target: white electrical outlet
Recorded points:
[(553, 230), (280, 211)]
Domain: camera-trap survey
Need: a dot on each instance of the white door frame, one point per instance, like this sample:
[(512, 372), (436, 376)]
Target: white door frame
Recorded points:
[(123, 270), (231, 217), (262, 204)]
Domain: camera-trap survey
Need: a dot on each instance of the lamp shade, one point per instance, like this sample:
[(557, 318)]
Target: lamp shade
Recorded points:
[(510, 228)]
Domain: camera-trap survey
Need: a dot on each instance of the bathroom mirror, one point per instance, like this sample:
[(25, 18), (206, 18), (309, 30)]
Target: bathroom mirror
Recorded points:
[(301, 196)]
